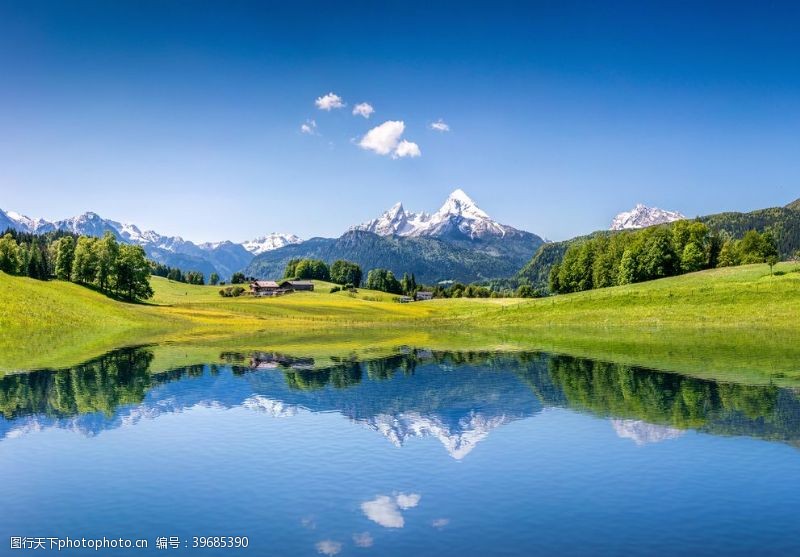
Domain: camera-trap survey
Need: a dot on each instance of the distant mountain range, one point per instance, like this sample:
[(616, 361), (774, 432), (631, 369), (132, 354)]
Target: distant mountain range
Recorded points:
[(458, 242), (223, 258), (643, 216)]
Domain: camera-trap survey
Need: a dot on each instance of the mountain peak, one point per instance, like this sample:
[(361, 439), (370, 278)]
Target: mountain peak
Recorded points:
[(268, 242), (642, 216), (459, 216), (460, 204)]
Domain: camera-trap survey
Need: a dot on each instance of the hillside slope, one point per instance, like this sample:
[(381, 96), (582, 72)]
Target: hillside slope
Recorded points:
[(783, 222)]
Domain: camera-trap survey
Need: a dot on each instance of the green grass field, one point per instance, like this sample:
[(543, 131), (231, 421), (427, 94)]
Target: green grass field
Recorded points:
[(735, 323)]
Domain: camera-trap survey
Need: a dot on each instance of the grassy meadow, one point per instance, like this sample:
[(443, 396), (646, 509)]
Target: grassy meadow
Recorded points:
[(735, 323)]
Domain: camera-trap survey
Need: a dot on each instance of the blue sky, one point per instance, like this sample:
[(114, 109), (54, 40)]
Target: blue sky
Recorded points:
[(185, 117)]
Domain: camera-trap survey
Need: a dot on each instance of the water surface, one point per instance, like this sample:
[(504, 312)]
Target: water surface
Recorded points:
[(418, 453)]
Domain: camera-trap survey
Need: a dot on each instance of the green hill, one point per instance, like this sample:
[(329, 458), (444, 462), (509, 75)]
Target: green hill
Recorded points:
[(783, 222), (736, 323), (794, 205)]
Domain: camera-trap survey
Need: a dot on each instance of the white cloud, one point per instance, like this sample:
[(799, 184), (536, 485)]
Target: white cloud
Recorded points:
[(363, 109), (328, 547), (363, 539), (385, 140), (385, 510), (329, 102), (440, 522), (309, 127), (406, 149), (440, 126)]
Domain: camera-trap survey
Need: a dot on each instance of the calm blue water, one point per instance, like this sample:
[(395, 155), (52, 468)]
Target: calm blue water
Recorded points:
[(419, 454)]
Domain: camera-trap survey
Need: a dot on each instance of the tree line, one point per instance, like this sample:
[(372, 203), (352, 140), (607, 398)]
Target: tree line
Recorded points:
[(177, 275), (656, 252), (120, 270)]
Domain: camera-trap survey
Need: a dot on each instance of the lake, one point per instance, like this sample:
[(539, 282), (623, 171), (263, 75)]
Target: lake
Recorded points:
[(417, 453)]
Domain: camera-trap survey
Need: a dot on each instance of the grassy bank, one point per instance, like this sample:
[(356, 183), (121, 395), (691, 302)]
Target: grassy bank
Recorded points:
[(736, 323)]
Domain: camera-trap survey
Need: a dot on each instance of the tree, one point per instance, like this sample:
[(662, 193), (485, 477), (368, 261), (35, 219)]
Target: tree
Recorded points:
[(627, 268), (36, 263), (659, 258), (291, 269), (729, 254), (772, 260), (383, 280), (525, 291), (346, 272), (9, 255), (238, 278), (692, 258), (553, 280), (132, 273), (65, 255), (107, 253), (311, 269), (84, 266), (213, 280)]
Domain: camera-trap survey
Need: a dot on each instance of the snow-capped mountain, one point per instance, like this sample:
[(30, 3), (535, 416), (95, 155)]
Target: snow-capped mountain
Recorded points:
[(271, 241), (223, 258), (643, 216), (459, 215)]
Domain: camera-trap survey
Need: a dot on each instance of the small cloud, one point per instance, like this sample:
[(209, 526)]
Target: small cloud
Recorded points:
[(328, 547), (406, 149), (363, 539), (385, 510), (329, 102), (363, 109), (440, 126), (385, 140), (309, 127), (308, 522), (440, 522)]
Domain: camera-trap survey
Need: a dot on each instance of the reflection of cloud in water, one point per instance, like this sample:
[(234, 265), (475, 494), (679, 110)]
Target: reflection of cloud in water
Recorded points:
[(274, 408), (642, 432), (440, 522), (364, 539), (385, 510), (408, 501), (328, 547)]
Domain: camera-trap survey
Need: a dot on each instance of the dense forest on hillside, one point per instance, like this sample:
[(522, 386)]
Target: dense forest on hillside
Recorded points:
[(120, 270), (783, 223)]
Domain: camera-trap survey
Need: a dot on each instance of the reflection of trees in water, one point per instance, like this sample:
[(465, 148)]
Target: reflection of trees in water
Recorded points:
[(676, 400), (99, 385), (123, 377)]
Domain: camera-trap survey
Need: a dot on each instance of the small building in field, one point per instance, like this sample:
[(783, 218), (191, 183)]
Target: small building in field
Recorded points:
[(405, 299), (267, 288), (424, 295), (299, 285)]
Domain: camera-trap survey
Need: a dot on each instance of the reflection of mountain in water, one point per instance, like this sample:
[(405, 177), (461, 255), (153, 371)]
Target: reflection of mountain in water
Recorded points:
[(458, 398)]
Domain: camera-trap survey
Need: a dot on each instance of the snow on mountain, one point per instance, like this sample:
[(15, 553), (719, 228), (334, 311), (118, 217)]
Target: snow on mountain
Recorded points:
[(458, 215), (270, 242), (92, 224), (643, 433), (223, 257), (459, 441), (642, 216)]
